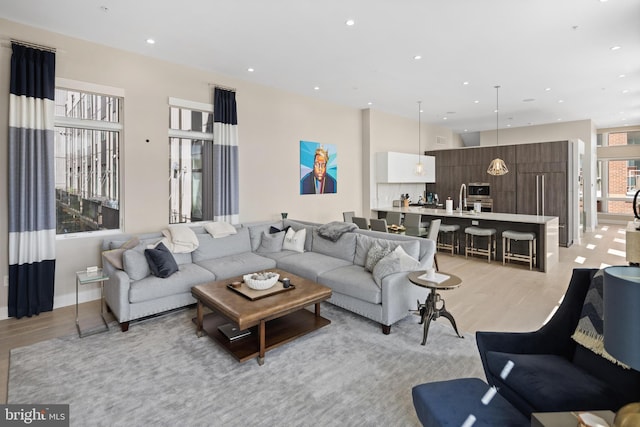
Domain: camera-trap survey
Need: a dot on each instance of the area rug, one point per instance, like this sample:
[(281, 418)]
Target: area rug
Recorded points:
[(160, 374)]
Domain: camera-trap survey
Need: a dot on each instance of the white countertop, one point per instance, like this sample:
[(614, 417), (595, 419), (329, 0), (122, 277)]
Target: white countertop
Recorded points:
[(489, 216)]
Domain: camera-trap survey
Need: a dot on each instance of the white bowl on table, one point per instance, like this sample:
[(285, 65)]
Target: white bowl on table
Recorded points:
[(254, 282)]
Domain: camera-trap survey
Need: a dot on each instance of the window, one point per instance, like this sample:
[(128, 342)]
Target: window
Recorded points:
[(190, 152), (88, 127), (618, 172)]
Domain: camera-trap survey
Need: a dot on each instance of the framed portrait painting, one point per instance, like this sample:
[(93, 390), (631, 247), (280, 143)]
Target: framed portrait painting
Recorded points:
[(318, 168)]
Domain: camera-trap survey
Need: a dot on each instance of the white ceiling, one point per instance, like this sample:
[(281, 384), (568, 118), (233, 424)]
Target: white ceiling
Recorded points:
[(525, 46)]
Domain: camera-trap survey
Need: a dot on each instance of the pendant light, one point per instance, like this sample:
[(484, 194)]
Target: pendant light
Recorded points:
[(497, 166), (419, 167)]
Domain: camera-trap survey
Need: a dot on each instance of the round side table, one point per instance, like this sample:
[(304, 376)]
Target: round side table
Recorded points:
[(429, 310)]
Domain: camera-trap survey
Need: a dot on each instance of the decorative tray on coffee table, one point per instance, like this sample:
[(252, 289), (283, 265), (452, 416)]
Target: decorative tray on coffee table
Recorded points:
[(253, 294)]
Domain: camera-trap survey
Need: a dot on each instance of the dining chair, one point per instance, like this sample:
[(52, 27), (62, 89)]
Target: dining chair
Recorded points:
[(413, 224), (434, 229), (361, 222), (348, 216), (379, 225), (394, 218)]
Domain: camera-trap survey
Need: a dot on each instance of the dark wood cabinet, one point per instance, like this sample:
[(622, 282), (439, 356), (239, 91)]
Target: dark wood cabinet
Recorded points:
[(546, 163), (543, 183)]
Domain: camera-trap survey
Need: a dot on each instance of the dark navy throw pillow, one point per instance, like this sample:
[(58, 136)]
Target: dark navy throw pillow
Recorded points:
[(161, 261)]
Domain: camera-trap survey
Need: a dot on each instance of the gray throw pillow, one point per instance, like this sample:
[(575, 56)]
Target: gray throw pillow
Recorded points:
[(395, 262), (135, 263), (271, 242), (375, 254)]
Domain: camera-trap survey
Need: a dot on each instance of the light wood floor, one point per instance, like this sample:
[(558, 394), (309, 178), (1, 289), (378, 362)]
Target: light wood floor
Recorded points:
[(491, 297)]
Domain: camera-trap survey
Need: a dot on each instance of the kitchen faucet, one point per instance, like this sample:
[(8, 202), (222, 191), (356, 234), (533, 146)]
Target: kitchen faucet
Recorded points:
[(463, 190)]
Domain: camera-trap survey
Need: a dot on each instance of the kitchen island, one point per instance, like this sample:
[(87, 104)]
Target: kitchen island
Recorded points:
[(546, 229)]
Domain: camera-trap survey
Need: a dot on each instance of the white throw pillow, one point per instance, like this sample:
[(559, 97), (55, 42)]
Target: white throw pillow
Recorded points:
[(219, 229), (294, 240)]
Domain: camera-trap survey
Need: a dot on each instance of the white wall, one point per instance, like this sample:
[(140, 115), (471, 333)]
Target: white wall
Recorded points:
[(271, 124), (388, 132)]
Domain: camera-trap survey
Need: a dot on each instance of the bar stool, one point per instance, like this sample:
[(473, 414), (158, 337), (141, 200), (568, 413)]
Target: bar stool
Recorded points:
[(455, 239), (470, 244), (508, 254)]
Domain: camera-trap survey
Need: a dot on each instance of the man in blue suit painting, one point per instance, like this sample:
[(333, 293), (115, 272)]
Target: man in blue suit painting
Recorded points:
[(318, 181)]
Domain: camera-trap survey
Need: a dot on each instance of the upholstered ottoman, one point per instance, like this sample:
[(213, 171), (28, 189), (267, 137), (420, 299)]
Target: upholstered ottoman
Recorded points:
[(451, 403)]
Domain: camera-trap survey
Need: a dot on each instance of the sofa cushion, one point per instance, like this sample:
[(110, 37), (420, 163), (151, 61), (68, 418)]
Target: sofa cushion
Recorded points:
[(395, 262), (271, 242), (152, 287), (184, 258), (551, 383), (211, 247), (114, 256), (278, 255), (364, 242), (375, 254), (295, 240), (135, 263), (310, 264), (161, 262), (219, 229), (352, 280), (344, 248), (236, 265), (255, 232), (299, 226)]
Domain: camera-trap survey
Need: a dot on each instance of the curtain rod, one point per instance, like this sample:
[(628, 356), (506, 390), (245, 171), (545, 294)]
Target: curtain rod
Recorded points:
[(232, 89), (33, 45)]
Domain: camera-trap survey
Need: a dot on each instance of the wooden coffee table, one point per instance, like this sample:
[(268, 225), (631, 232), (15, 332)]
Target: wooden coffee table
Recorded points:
[(273, 320)]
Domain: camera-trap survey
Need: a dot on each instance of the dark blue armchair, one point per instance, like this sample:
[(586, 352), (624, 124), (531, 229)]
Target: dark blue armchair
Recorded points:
[(549, 371)]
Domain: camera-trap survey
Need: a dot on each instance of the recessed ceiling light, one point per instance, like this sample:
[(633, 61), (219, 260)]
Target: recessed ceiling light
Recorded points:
[(476, 102), (444, 118), (251, 70), (316, 88), (560, 101), (417, 57), (621, 76), (369, 103), (151, 41), (616, 47), (508, 125), (559, 120), (465, 83), (547, 89), (625, 91), (350, 22)]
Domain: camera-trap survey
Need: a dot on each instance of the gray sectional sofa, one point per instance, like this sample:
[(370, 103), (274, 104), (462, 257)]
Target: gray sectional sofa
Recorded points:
[(132, 292)]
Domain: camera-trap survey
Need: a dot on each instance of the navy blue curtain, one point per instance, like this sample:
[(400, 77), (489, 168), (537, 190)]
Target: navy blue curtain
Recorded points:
[(226, 191), (32, 214)]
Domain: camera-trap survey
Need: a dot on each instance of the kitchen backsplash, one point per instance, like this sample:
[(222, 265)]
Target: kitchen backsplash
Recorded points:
[(387, 193)]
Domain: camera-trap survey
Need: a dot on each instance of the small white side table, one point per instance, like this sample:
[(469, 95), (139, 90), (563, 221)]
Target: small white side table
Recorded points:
[(85, 278)]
